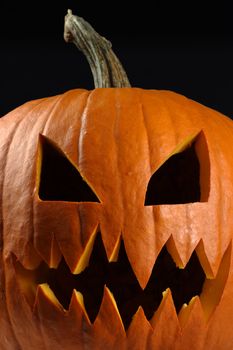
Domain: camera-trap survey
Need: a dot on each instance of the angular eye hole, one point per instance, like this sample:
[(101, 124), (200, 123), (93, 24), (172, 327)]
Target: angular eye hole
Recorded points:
[(59, 179), (180, 179)]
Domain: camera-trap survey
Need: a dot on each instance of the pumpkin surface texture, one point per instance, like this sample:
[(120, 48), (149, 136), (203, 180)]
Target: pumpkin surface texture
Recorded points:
[(116, 223)]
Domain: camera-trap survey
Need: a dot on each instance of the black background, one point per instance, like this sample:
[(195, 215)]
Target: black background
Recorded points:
[(186, 47)]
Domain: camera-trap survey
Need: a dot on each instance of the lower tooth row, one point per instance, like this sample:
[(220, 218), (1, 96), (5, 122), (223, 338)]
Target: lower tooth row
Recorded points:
[(77, 301)]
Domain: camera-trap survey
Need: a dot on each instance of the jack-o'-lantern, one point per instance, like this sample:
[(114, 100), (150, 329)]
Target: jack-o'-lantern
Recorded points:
[(116, 219)]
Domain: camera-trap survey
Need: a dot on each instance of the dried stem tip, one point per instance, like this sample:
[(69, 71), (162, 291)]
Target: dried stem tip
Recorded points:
[(106, 68)]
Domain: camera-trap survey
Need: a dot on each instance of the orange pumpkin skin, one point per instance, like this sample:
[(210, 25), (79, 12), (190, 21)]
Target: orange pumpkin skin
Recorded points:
[(117, 138)]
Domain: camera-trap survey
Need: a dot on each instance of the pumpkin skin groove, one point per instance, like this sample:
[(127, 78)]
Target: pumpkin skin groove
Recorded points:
[(118, 163)]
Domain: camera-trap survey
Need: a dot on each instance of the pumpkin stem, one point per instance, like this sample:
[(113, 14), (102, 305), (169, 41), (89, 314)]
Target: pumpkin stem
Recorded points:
[(106, 69)]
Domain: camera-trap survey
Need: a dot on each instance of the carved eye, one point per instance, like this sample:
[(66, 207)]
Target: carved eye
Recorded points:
[(178, 179), (60, 180)]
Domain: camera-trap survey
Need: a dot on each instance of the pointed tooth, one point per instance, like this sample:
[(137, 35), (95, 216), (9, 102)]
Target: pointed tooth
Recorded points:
[(46, 227), (192, 321), (171, 247), (141, 242), (214, 251), (108, 324), (200, 250), (115, 252), (165, 324), (56, 328), (191, 312), (139, 325), (55, 253), (49, 221), (184, 228), (165, 317), (78, 324), (141, 260), (85, 257), (185, 312), (77, 307), (213, 288), (46, 300)]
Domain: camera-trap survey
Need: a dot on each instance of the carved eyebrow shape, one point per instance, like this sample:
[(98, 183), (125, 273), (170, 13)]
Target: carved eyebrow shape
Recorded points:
[(178, 179), (58, 179)]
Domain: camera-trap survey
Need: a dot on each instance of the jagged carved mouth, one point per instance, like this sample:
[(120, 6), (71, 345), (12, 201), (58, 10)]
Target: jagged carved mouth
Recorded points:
[(120, 279)]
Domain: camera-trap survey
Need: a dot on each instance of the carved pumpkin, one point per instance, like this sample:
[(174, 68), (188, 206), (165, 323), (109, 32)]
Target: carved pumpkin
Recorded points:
[(116, 223)]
